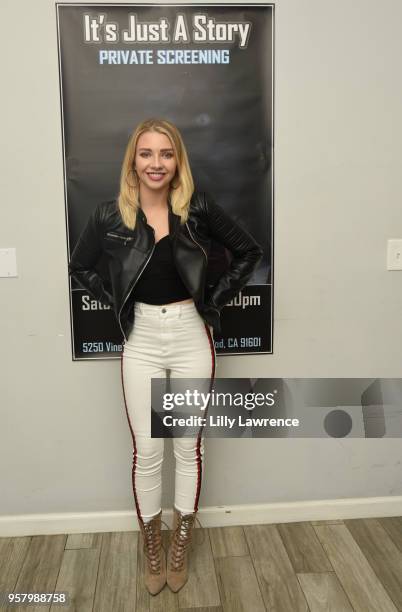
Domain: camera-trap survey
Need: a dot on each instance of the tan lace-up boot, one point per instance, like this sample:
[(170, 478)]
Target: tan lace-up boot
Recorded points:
[(177, 562), (155, 557)]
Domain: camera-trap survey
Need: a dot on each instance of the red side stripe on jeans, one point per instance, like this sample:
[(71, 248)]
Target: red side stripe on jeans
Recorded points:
[(199, 458), (134, 444)]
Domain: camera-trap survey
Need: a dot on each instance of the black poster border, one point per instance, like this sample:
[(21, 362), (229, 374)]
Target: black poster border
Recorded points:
[(271, 284)]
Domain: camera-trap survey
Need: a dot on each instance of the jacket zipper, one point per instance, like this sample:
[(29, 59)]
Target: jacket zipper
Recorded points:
[(124, 238), (134, 283), (206, 258)]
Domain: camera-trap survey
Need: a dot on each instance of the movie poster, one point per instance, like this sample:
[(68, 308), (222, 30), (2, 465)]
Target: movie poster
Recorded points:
[(207, 68)]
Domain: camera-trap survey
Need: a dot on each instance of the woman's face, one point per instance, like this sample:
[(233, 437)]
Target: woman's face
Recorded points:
[(155, 160)]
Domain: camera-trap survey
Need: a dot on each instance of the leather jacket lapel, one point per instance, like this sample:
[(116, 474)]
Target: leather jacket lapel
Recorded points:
[(174, 221)]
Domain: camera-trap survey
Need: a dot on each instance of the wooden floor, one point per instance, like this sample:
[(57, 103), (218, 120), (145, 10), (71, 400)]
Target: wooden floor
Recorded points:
[(323, 565)]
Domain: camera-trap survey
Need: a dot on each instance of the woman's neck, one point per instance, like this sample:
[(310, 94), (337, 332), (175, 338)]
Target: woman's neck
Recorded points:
[(152, 200)]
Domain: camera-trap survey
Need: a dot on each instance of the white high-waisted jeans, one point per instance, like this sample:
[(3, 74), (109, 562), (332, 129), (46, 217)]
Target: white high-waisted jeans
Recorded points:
[(174, 337)]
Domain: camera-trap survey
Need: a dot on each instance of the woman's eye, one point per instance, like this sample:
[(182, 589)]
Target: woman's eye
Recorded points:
[(167, 155)]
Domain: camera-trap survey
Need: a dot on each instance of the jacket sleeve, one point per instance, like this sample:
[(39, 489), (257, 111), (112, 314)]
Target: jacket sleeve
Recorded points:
[(87, 252), (245, 250)]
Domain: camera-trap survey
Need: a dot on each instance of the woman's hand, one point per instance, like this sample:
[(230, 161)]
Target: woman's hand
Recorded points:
[(246, 253)]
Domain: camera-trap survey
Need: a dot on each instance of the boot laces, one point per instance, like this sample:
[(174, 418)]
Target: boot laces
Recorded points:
[(153, 544), (182, 539)]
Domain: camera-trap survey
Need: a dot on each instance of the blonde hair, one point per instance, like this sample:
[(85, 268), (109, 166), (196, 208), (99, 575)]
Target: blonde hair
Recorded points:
[(181, 187)]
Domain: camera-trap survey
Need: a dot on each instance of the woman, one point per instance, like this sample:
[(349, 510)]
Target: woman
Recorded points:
[(157, 237)]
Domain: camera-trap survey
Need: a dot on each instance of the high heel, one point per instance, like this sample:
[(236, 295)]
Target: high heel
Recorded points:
[(177, 557), (155, 556)]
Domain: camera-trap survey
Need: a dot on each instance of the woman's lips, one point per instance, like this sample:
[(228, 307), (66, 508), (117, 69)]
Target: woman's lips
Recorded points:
[(156, 176)]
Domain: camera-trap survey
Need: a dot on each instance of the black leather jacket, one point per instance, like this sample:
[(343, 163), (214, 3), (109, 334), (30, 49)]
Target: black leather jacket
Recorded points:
[(128, 252)]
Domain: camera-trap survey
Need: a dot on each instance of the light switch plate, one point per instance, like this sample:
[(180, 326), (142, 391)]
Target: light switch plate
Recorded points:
[(394, 254), (8, 262)]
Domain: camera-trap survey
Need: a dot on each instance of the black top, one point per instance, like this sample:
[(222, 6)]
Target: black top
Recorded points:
[(159, 282)]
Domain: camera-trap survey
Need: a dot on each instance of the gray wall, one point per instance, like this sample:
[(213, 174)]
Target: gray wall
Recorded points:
[(65, 442)]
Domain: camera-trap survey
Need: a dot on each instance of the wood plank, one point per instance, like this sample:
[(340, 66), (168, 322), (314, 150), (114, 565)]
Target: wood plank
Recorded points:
[(328, 522), (83, 540), (117, 574), (201, 588), (324, 592), (238, 585), (354, 572), (304, 548), (228, 542), (40, 569), (384, 557), (143, 598), (12, 555), (393, 526), (78, 574), (279, 585), (203, 609)]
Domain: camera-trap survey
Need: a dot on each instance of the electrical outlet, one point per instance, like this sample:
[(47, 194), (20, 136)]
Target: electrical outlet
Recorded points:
[(394, 254), (8, 263)]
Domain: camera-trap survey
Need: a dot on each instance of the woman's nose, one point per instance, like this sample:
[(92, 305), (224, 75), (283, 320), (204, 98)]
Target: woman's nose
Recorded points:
[(156, 161)]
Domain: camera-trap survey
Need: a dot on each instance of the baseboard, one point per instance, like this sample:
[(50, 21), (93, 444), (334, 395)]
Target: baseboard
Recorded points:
[(210, 516)]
